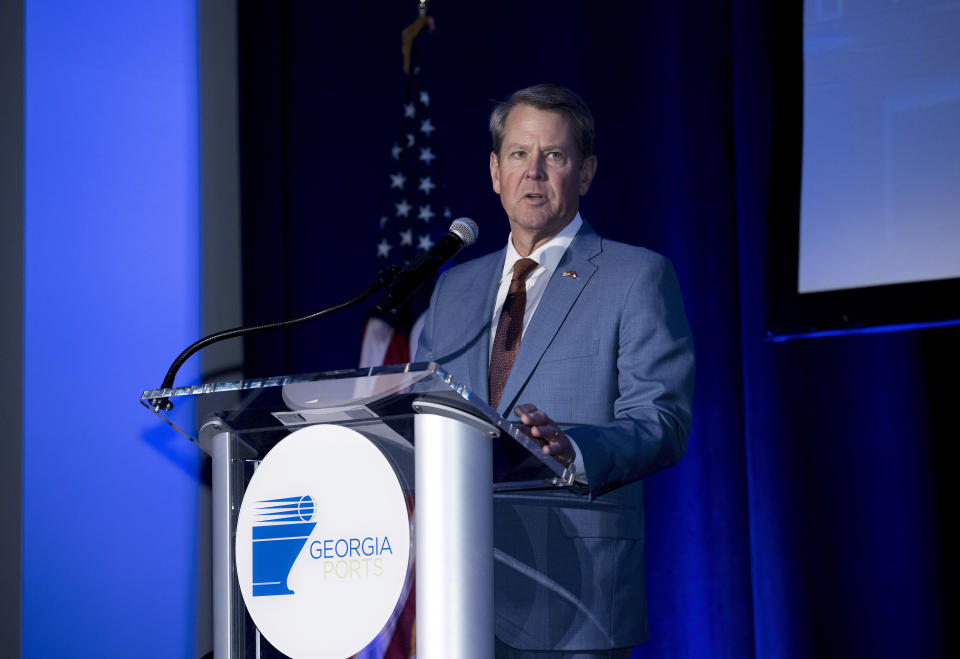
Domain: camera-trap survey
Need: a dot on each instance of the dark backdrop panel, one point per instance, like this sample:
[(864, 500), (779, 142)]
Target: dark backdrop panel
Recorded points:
[(11, 301), (807, 516)]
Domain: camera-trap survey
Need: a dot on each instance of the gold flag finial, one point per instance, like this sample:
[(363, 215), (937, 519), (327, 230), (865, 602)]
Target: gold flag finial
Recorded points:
[(411, 31)]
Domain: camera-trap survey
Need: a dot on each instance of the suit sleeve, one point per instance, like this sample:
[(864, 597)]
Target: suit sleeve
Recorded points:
[(425, 343), (655, 373)]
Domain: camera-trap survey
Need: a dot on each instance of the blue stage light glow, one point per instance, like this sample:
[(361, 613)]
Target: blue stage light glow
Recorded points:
[(878, 329), (111, 296)]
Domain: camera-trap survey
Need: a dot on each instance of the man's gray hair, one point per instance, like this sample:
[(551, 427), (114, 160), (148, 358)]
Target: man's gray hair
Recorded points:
[(547, 97)]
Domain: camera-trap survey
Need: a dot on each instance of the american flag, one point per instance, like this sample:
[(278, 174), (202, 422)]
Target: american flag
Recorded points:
[(415, 217)]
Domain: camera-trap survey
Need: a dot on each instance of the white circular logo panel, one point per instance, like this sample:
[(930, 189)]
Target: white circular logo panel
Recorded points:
[(323, 541)]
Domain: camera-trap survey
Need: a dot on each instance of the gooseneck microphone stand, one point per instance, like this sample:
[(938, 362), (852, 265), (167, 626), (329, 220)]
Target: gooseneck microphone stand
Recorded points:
[(383, 279)]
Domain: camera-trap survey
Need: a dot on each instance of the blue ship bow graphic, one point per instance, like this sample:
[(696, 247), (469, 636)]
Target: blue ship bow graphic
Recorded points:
[(285, 525)]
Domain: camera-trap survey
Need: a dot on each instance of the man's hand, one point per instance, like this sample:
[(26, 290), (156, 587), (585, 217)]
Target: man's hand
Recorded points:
[(545, 431)]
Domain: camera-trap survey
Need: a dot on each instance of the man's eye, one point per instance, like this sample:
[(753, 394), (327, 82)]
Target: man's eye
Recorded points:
[(518, 154), (555, 156)]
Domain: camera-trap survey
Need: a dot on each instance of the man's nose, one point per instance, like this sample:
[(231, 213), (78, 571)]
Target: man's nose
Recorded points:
[(536, 167)]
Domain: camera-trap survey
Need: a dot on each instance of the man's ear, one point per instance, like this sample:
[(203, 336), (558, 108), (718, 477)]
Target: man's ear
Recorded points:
[(495, 172), (587, 171)]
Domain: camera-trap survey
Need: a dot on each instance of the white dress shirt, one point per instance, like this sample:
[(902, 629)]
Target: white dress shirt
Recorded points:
[(548, 257)]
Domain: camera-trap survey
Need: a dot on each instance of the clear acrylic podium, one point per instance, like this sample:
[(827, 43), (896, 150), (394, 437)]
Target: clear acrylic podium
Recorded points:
[(447, 446)]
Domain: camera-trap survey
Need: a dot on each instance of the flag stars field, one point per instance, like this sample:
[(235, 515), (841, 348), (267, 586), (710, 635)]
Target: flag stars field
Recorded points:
[(425, 243), (426, 213), (403, 208), (426, 185)]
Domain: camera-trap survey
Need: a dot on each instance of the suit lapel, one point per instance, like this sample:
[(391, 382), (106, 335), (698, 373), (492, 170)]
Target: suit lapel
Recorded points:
[(555, 305), (479, 316)]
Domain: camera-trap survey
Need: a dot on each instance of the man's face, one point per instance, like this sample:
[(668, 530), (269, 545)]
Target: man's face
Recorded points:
[(539, 175)]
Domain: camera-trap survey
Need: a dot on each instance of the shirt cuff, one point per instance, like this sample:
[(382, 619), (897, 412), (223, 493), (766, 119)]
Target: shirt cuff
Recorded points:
[(579, 473)]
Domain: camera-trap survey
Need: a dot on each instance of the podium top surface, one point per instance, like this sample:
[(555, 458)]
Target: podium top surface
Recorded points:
[(378, 401)]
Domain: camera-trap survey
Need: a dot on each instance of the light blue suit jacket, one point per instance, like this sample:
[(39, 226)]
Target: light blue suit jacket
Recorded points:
[(609, 355)]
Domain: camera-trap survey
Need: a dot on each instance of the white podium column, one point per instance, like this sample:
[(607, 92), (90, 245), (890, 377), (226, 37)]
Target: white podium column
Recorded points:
[(228, 610), (454, 533)]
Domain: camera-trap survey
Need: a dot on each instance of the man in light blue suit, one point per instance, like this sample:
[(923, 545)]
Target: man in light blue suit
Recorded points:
[(602, 377)]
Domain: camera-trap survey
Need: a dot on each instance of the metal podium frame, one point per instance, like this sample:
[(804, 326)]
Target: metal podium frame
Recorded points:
[(463, 450)]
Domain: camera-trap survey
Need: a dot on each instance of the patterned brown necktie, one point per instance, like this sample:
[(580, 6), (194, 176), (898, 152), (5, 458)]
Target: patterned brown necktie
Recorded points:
[(509, 329)]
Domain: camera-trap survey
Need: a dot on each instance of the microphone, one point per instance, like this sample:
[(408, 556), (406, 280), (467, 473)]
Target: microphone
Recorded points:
[(462, 232)]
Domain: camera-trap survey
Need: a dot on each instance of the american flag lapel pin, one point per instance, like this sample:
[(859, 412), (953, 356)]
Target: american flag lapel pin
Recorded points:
[(569, 273)]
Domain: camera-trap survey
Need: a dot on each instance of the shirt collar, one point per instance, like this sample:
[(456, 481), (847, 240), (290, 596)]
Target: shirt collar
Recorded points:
[(548, 255)]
